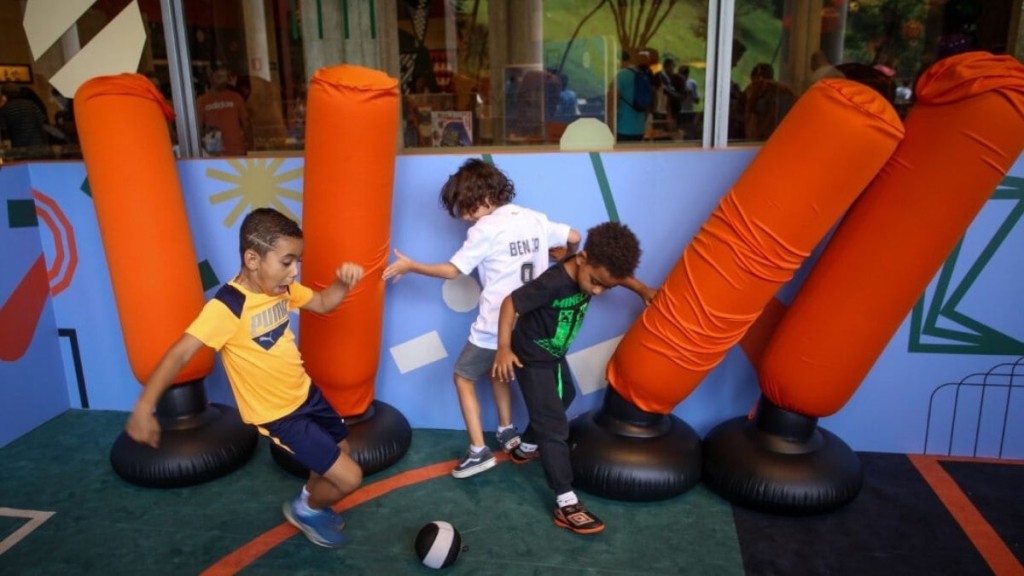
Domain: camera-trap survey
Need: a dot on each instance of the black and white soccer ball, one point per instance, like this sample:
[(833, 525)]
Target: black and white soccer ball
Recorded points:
[(438, 544)]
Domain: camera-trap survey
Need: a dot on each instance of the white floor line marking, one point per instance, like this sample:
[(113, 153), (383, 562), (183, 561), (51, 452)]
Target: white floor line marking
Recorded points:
[(35, 520)]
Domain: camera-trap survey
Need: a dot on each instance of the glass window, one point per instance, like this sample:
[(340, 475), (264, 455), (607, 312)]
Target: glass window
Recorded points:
[(781, 47), (518, 73), (495, 72), (49, 130), (248, 75)]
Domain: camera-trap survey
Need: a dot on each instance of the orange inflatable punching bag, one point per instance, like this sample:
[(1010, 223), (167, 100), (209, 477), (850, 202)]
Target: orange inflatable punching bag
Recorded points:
[(803, 179), (963, 134), (351, 146), (122, 125)]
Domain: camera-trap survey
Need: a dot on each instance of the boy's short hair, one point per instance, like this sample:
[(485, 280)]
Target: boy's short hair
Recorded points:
[(262, 228), (475, 184), (613, 246)]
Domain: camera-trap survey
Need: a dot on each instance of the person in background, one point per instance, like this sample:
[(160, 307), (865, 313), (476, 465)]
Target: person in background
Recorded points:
[(630, 121), (247, 320), (665, 113), (737, 99), (507, 245), (536, 327), (690, 97), (767, 102), (223, 118), (64, 117), (568, 103), (822, 68), (23, 123)]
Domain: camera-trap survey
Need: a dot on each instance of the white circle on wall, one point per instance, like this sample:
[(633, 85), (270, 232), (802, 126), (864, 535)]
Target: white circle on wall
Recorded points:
[(461, 293)]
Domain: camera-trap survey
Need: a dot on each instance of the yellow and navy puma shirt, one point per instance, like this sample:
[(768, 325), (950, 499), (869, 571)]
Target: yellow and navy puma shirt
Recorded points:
[(257, 347)]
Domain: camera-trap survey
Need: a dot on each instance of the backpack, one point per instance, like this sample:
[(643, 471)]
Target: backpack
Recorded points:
[(643, 91)]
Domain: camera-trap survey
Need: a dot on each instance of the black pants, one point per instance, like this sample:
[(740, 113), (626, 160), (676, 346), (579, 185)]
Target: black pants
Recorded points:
[(548, 390)]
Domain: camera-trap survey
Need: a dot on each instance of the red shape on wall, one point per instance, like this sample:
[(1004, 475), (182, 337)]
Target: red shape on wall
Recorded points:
[(19, 316)]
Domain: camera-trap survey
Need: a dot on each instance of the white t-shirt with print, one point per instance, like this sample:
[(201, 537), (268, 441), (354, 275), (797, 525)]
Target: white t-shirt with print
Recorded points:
[(507, 247)]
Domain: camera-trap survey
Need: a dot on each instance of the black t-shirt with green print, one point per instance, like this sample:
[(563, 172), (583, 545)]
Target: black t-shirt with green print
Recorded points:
[(551, 309)]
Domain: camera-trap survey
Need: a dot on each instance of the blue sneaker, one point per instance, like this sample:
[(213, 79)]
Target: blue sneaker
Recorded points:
[(508, 439), (474, 463), (321, 527)]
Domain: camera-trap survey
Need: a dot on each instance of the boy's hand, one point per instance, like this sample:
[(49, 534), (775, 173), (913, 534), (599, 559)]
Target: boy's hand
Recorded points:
[(504, 360), (143, 427), (557, 253), (399, 267), (647, 294), (349, 273)]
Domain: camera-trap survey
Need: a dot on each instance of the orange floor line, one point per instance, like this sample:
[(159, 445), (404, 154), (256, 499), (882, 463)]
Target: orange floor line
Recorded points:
[(985, 539), (250, 552)]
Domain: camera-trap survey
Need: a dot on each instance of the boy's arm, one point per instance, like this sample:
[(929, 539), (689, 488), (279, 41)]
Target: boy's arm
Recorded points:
[(643, 290), (572, 244), (403, 265), (142, 425), (328, 299), (505, 358)]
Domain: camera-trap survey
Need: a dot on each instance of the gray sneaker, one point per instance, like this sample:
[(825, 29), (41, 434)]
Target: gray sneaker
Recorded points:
[(508, 439), (474, 463)]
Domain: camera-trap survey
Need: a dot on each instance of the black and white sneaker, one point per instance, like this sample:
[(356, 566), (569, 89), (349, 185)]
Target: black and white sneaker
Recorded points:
[(474, 463), (508, 439)]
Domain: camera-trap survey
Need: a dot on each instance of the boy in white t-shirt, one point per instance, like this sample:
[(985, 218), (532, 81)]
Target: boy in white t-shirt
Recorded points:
[(508, 245)]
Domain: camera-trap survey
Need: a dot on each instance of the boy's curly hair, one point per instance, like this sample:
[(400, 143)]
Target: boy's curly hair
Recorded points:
[(475, 184), (262, 228), (613, 246)]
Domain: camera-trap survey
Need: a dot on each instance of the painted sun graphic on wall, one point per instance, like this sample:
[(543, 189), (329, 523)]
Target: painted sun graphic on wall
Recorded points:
[(255, 183)]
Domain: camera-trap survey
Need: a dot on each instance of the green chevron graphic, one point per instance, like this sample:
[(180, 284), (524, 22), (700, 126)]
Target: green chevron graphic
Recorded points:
[(975, 337)]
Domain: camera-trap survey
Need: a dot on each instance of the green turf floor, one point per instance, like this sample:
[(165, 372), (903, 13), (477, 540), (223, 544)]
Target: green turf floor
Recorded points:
[(103, 525)]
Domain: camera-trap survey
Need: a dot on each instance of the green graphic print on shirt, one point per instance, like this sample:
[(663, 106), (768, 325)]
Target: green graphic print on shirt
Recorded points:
[(571, 311)]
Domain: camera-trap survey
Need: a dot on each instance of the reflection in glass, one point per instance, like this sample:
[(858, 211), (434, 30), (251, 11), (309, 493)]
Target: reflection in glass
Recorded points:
[(525, 70), (885, 44), (515, 72), (249, 77)]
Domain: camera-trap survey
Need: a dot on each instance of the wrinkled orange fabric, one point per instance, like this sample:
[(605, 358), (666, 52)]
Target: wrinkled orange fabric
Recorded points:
[(351, 146), (827, 149), (963, 134), (122, 126)]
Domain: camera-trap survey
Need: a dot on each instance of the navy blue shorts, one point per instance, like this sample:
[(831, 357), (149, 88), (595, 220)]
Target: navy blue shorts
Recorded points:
[(311, 433)]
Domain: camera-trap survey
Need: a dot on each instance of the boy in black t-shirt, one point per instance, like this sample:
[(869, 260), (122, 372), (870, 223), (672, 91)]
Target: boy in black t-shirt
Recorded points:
[(547, 314)]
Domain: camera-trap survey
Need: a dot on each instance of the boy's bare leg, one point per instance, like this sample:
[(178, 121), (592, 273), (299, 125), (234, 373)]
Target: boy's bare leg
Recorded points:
[(343, 477), (470, 409), (503, 401)]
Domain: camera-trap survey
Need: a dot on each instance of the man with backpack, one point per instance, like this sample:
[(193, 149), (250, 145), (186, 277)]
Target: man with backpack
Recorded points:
[(634, 97)]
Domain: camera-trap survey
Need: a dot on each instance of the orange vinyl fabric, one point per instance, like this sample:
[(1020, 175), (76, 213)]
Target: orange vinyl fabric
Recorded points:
[(819, 159), (963, 134), (351, 146), (122, 126)]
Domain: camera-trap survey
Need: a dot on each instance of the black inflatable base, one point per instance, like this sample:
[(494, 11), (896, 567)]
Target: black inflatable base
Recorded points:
[(622, 453), (193, 450), (378, 438), (770, 465)]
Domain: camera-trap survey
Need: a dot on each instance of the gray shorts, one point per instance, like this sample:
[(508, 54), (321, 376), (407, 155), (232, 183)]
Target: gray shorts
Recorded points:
[(474, 362)]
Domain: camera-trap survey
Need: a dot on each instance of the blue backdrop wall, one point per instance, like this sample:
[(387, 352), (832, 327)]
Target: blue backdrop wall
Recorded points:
[(944, 383)]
